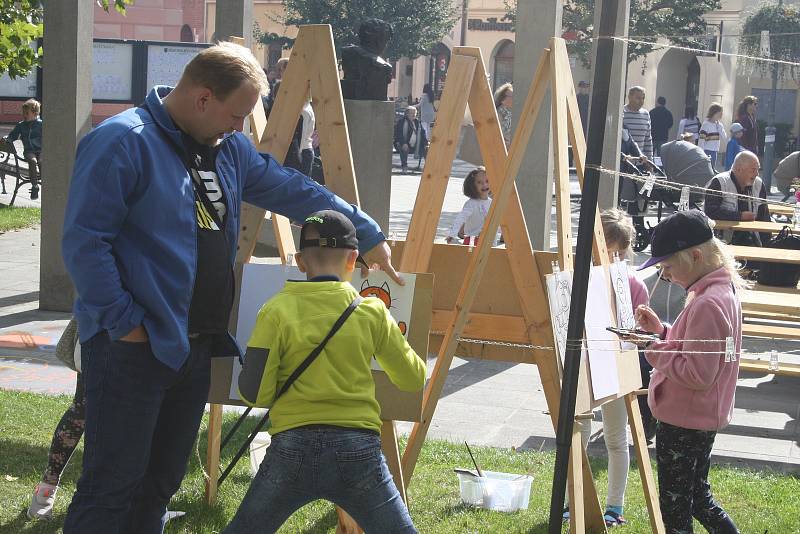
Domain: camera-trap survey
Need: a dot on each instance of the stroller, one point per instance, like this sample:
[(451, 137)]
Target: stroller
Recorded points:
[(681, 162)]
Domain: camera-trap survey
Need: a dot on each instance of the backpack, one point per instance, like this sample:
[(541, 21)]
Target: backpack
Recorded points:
[(781, 274)]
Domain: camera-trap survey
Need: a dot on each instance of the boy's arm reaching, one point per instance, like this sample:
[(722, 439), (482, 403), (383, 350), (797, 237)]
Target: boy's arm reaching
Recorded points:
[(404, 368), (259, 376)]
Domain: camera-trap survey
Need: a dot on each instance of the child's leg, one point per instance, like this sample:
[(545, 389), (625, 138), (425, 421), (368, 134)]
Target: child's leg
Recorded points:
[(354, 475), (615, 426), (676, 472), (283, 484), (66, 436), (705, 509)]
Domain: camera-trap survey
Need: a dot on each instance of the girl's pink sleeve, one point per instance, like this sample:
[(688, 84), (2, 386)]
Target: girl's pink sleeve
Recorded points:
[(639, 293)]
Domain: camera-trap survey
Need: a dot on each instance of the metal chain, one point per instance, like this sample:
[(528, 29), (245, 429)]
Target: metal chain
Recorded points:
[(494, 343)]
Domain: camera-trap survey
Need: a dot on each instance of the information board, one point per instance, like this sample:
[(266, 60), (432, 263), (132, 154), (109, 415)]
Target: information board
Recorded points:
[(18, 88), (165, 63), (112, 71)]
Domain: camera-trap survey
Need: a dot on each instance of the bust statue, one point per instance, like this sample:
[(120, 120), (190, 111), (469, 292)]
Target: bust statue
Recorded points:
[(366, 73)]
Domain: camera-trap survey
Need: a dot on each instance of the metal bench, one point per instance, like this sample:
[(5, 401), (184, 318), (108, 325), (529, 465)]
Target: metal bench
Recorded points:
[(13, 165)]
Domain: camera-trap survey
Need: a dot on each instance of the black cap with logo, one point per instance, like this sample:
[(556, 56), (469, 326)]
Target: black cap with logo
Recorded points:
[(335, 231), (679, 231)]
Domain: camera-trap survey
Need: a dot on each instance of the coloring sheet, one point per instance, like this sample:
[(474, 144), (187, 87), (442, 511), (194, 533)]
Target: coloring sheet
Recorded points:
[(622, 291), (559, 293), (260, 282), (602, 345)]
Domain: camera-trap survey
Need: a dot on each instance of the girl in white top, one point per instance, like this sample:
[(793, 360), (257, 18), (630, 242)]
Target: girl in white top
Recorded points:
[(469, 222), (712, 132), (427, 113)]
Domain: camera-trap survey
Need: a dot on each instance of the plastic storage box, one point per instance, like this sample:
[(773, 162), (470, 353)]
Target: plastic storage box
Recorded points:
[(496, 491)]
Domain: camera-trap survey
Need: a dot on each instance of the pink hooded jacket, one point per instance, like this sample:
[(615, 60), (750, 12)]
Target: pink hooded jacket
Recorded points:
[(697, 390)]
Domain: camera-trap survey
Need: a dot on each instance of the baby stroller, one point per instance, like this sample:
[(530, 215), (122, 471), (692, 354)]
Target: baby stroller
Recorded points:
[(681, 162)]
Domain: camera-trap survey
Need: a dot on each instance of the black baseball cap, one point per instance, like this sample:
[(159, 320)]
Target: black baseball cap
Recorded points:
[(679, 231), (335, 231)]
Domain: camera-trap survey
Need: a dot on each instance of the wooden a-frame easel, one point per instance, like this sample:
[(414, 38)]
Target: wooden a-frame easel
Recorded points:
[(467, 83)]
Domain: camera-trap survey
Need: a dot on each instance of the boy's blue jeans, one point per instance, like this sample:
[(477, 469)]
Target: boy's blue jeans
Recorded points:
[(141, 423), (344, 466)]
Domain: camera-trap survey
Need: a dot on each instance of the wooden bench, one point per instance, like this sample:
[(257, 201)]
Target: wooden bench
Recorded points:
[(770, 331), (754, 365), (14, 165), (774, 255), (750, 226)]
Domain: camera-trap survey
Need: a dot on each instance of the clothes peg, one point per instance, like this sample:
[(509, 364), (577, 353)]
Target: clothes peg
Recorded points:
[(730, 350), (648, 186), (289, 261), (773, 360), (683, 204), (391, 238), (797, 217)]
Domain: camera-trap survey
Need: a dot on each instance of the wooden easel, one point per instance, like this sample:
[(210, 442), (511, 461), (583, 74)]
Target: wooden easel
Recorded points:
[(467, 83), (312, 67)]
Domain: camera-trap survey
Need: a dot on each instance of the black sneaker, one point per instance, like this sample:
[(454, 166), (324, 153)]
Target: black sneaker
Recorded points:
[(34, 192)]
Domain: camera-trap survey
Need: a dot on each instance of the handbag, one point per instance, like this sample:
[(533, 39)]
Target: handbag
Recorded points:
[(781, 274)]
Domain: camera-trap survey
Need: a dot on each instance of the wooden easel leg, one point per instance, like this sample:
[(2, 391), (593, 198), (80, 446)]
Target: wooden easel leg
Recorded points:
[(577, 522), (643, 459), (212, 454), (391, 451)]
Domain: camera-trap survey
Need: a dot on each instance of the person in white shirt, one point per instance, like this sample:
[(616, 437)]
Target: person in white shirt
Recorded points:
[(469, 222), (427, 112), (712, 132), (689, 124), (306, 138)]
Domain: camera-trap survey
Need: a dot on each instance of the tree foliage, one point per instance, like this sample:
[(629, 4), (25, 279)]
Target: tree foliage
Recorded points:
[(21, 23), (679, 21), (417, 26), (783, 23)]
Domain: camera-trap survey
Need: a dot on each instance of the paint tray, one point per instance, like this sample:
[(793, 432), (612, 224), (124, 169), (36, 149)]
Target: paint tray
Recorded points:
[(258, 448), (503, 492)]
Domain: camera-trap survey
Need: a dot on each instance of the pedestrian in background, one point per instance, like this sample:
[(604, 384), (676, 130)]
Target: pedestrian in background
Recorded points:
[(660, 123)]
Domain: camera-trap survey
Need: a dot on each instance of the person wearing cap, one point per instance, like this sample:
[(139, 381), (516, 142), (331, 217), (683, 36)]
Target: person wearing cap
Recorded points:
[(691, 391), (150, 239), (739, 195), (326, 426), (734, 146)]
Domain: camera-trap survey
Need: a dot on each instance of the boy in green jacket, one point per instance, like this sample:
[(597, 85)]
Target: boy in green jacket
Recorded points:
[(326, 427)]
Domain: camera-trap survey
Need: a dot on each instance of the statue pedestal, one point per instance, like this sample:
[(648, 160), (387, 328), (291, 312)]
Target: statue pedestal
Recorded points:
[(370, 124)]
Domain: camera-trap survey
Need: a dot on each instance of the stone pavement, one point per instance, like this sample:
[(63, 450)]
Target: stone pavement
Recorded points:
[(484, 402)]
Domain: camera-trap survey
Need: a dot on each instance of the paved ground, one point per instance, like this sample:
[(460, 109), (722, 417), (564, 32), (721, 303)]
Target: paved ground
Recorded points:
[(484, 402)]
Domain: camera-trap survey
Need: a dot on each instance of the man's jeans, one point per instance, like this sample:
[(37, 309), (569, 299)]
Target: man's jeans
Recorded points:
[(141, 422), (343, 466)]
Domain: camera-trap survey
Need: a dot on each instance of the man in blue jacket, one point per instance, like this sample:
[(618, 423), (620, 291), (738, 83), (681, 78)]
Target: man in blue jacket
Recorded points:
[(149, 240)]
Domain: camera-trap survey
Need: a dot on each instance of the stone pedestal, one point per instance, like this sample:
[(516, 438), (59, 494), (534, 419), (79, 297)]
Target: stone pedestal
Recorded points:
[(370, 125), (234, 18), (67, 108)]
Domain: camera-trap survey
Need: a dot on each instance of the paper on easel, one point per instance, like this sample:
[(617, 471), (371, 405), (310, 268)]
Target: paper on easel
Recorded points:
[(622, 291), (559, 293), (602, 345)]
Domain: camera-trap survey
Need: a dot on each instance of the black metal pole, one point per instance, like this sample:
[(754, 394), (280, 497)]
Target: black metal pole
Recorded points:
[(583, 257)]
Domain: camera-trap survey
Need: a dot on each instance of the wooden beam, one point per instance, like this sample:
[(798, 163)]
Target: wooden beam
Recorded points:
[(559, 120), (212, 454), (753, 365), (645, 467)]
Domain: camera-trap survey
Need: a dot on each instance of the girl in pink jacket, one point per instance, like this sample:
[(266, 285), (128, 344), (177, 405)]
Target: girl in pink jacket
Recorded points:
[(691, 391)]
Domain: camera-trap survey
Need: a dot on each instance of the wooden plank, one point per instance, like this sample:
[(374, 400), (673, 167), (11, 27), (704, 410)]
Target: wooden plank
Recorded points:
[(781, 209), (775, 332), (438, 164), (768, 301), (774, 289), (258, 123), (762, 366), (392, 454), (334, 139), (645, 467), (508, 328), (559, 120), (478, 261), (212, 454), (756, 315), (774, 255), (749, 226)]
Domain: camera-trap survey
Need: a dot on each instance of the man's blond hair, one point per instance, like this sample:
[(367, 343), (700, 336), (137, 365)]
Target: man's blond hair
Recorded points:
[(32, 105), (223, 68)]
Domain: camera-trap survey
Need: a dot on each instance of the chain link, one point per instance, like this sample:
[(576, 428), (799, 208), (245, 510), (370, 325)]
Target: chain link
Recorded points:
[(494, 343)]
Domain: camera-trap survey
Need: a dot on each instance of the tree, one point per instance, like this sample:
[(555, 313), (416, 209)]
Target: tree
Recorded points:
[(649, 20), (21, 25), (783, 23), (417, 26)]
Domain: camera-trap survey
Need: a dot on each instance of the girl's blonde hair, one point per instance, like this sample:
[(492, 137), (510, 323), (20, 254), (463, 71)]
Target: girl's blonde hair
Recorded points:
[(618, 229), (715, 254)]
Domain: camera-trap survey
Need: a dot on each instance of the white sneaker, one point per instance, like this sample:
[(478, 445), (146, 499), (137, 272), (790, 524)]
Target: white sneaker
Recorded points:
[(44, 496)]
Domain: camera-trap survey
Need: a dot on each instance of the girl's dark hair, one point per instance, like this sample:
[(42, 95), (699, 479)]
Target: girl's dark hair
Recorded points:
[(428, 91), (746, 101), (689, 113), (500, 94), (470, 187), (713, 109)]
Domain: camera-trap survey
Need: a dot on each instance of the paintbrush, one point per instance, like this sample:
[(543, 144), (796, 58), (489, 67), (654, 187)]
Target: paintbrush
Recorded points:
[(477, 468)]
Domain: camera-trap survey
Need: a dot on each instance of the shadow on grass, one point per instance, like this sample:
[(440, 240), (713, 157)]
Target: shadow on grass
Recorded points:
[(459, 508), (324, 523)]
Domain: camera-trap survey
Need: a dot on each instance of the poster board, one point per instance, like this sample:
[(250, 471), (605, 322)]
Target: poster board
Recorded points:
[(19, 88), (112, 71), (260, 281), (165, 62)]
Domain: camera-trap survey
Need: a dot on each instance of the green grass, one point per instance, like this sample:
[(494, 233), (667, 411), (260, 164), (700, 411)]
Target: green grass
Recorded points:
[(757, 500), (12, 218)]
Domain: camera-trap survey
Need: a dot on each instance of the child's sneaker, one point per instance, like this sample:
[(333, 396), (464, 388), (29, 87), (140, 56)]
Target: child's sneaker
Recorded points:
[(44, 496), (614, 519)]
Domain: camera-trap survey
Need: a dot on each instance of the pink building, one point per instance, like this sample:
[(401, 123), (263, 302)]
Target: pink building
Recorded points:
[(146, 20)]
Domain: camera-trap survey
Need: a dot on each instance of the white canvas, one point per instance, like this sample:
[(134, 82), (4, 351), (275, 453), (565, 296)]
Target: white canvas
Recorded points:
[(622, 292), (602, 345)]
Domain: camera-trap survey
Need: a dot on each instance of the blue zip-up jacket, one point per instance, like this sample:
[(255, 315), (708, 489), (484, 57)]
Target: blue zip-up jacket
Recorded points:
[(129, 239), (31, 134)]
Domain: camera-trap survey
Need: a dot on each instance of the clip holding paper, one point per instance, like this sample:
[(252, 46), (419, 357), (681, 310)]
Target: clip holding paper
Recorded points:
[(391, 238), (555, 266), (773, 360), (797, 217), (683, 204), (289, 261), (648, 185), (730, 350)]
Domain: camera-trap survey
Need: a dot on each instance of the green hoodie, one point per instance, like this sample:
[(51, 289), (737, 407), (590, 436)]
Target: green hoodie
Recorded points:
[(337, 388)]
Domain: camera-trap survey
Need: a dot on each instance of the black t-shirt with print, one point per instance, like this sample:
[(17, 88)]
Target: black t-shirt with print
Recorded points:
[(212, 297)]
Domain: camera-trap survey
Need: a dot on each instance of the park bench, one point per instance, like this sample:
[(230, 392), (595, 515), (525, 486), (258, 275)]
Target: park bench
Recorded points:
[(13, 165)]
